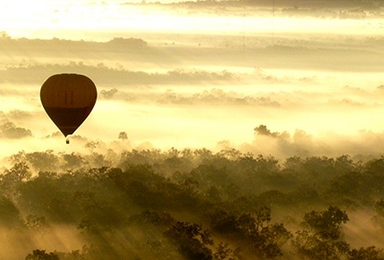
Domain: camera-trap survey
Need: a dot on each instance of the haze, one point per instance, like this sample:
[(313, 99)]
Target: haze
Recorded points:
[(197, 74), (228, 129)]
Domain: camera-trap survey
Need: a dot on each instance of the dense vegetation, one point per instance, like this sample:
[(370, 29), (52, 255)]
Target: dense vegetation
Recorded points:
[(190, 204)]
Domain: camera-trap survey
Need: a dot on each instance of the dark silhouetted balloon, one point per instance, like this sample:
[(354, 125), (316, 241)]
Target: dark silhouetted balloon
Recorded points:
[(68, 99)]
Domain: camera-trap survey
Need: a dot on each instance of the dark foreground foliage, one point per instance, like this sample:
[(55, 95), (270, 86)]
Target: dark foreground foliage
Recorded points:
[(189, 205)]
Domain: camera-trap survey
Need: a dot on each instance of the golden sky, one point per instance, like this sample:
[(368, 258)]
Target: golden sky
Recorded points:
[(205, 76)]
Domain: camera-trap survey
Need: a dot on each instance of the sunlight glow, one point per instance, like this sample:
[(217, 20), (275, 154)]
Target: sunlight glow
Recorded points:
[(49, 19)]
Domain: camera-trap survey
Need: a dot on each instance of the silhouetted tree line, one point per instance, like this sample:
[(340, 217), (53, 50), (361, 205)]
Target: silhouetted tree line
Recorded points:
[(192, 204)]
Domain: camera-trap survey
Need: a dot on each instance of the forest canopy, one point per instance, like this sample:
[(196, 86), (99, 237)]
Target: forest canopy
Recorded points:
[(191, 204)]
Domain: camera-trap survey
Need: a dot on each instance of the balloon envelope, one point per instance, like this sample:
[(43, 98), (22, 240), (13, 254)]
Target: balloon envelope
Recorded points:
[(68, 99)]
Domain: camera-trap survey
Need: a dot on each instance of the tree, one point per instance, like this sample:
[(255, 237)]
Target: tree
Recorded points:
[(41, 255), (12, 179), (223, 252), (326, 223), (253, 232), (192, 240), (123, 136), (379, 207), (322, 240), (73, 161), (369, 253), (19, 172), (43, 161), (35, 223), (5, 35), (9, 213), (263, 130)]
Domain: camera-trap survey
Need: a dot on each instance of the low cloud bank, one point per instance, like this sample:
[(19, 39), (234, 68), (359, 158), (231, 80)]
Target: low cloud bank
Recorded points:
[(364, 145)]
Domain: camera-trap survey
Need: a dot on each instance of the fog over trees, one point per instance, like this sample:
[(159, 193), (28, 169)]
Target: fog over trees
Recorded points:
[(190, 204), (230, 130)]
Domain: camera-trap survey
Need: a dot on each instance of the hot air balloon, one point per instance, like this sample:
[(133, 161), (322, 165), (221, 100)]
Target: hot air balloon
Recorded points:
[(68, 99)]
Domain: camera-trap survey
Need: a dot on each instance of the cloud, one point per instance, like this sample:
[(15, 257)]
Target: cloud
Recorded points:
[(18, 114), (215, 97), (10, 130), (37, 46), (108, 94), (126, 60), (214, 90), (345, 102), (101, 74), (362, 145), (328, 9), (129, 43)]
